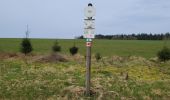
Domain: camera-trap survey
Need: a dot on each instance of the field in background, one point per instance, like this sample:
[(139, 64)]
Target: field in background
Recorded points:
[(144, 48)]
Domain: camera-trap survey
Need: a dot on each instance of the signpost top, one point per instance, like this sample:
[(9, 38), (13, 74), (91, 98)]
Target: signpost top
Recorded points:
[(89, 30), (90, 4), (90, 11)]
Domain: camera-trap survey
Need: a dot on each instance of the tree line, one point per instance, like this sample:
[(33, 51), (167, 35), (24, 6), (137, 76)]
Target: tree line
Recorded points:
[(140, 36)]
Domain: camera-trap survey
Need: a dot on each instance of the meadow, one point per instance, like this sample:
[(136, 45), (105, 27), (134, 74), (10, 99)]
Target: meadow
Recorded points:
[(128, 70), (24, 78), (143, 48)]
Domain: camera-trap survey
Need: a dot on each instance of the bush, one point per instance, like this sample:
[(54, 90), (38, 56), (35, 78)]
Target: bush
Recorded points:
[(73, 50), (56, 47), (164, 54), (98, 56), (26, 46)]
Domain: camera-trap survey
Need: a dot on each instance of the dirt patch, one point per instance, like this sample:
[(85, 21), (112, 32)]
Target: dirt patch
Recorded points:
[(15, 56), (54, 57), (51, 58), (4, 55)]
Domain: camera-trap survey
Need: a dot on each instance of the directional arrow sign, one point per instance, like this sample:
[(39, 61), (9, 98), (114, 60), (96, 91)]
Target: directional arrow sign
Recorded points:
[(89, 24)]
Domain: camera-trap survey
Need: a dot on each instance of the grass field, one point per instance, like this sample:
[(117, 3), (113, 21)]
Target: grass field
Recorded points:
[(22, 78), (128, 70), (144, 48)]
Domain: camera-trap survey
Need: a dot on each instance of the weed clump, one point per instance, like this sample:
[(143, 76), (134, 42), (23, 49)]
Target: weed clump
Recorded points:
[(98, 56), (164, 54)]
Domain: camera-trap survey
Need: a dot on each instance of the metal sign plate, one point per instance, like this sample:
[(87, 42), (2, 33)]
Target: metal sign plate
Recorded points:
[(88, 40), (90, 11), (89, 33), (89, 24), (88, 44)]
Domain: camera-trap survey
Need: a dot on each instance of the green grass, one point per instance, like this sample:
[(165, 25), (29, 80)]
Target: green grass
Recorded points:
[(22, 78), (144, 48), (66, 80)]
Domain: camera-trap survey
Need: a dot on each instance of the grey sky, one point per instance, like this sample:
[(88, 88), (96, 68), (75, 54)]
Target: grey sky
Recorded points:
[(64, 18)]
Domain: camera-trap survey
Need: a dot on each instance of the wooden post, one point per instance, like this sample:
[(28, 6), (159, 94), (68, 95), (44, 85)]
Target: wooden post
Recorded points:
[(88, 70)]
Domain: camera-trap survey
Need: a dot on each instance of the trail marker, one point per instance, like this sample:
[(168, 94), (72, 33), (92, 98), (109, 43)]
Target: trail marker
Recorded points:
[(89, 34), (88, 40), (88, 44)]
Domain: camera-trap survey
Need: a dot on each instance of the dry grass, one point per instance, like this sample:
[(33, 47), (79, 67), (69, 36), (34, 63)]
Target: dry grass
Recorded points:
[(32, 80)]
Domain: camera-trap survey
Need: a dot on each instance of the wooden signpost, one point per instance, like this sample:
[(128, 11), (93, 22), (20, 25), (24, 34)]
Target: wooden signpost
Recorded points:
[(89, 31)]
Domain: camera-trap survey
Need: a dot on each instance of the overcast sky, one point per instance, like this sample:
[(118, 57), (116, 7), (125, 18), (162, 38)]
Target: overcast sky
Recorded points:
[(64, 18)]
